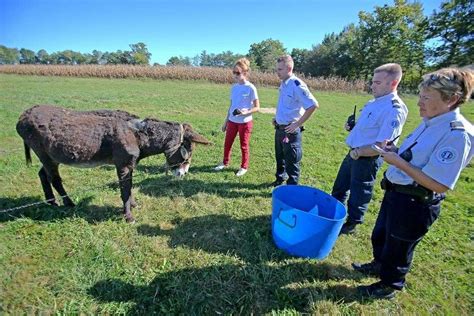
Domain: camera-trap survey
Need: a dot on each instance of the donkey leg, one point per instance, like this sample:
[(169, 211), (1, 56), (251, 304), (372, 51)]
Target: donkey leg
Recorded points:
[(125, 181), (57, 183), (47, 189)]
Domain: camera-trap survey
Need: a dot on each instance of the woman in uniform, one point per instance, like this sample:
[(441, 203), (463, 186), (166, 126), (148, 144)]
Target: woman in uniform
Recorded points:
[(427, 165)]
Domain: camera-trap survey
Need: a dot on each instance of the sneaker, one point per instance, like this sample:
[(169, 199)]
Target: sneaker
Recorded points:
[(219, 167), (371, 268), (376, 290), (241, 172), (348, 228)]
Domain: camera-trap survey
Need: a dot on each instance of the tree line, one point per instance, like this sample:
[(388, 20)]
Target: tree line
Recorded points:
[(391, 33)]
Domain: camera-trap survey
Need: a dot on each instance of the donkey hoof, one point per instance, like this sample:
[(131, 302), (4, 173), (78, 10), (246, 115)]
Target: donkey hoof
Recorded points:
[(130, 220)]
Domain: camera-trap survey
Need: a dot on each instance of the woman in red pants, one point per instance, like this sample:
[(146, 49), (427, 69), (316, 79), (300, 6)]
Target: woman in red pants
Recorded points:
[(243, 102)]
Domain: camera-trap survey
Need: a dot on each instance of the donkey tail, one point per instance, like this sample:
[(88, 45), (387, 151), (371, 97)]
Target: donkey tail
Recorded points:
[(27, 154)]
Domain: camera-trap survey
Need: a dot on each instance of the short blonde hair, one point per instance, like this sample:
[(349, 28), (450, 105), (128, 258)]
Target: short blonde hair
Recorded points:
[(392, 69), (287, 60), (243, 63), (449, 82)]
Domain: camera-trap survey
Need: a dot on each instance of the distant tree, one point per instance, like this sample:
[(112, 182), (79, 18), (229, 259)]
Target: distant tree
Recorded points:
[(96, 57), (179, 61), (27, 56), (452, 33), (392, 34), (265, 53), (139, 54), (9, 55), (299, 57), (42, 57)]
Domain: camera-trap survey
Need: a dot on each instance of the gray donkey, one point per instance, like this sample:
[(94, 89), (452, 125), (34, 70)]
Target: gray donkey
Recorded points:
[(91, 138)]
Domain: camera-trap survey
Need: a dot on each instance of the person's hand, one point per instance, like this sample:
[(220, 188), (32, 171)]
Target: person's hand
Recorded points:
[(354, 153), (292, 128), (224, 126), (387, 145), (392, 158), (244, 112)]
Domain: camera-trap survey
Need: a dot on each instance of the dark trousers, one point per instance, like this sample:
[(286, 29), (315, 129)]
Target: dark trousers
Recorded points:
[(358, 178), (288, 154), (402, 222)]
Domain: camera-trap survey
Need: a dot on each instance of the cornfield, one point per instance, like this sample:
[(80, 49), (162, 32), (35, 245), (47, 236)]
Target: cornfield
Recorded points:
[(212, 74)]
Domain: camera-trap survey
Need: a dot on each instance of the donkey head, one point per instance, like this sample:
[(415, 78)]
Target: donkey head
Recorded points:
[(175, 140), (180, 159)]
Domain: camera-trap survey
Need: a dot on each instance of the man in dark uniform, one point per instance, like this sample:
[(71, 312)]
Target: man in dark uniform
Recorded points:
[(381, 118), (295, 105)]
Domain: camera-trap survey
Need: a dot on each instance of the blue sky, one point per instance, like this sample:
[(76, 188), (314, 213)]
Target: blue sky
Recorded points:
[(176, 27)]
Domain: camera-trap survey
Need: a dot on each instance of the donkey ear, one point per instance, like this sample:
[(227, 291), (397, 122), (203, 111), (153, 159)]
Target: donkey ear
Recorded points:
[(193, 136), (197, 138), (137, 125)]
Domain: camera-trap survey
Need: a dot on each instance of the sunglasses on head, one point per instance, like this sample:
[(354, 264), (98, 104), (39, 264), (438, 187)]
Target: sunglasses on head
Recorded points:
[(438, 77)]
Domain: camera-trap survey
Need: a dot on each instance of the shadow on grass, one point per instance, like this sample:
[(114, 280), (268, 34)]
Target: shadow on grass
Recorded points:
[(229, 289), (248, 239), (168, 186), (46, 212)]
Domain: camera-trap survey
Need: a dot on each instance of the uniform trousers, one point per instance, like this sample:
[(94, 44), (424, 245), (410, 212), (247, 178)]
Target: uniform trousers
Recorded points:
[(358, 178), (244, 130), (402, 222), (288, 154)]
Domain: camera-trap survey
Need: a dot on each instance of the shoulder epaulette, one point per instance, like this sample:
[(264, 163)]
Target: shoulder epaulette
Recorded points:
[(396, 103), (297, 82), (456, 125)]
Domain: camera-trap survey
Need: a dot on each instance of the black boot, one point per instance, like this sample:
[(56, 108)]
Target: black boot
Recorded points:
[(348, 228), (376, 290), (371, 268)]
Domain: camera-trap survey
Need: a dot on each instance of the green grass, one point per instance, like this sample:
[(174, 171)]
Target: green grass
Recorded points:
[(203, 244)]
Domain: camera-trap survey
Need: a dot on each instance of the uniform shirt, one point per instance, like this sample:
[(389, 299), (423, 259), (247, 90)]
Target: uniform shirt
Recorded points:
[(443, 149), (242, 97), (380, 119), (293, 101)]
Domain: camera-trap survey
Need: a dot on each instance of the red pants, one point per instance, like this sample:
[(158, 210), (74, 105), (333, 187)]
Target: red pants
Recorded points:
[(244, 130)]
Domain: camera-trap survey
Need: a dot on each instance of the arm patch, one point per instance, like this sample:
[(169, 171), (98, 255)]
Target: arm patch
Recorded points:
[(456, 125), (396, 104)]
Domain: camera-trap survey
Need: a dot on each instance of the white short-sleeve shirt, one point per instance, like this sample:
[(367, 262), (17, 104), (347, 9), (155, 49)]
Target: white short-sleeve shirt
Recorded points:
[(443, 149), (294, 99), (380, 119), (242, 97)]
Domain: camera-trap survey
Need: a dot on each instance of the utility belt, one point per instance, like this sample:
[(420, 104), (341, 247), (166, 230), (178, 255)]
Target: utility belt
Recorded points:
[(366, 157), (282, 127), (417, 191)]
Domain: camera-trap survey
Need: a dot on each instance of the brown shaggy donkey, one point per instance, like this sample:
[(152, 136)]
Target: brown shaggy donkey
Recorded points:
[(87, 139)]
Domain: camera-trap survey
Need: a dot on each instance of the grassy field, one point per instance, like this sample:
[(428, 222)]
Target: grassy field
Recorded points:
[(201, 245)]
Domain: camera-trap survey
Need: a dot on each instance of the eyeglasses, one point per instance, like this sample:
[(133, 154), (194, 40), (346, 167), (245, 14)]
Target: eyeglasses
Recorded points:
[(237, 73)]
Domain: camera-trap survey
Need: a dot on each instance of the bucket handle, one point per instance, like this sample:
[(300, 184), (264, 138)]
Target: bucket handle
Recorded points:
[(285, 223)]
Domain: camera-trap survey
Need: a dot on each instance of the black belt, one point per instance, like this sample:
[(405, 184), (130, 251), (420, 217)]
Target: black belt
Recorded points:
[(282, 127), (366, 157), (415, 190), (277, 126)]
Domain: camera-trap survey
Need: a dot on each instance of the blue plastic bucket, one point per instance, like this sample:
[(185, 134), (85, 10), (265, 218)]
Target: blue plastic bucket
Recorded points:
[(305, 221)]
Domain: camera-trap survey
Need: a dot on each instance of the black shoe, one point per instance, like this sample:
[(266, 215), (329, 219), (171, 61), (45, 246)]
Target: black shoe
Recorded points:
[(377, 291), (348, 228), (370, 268), (277, 183)]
